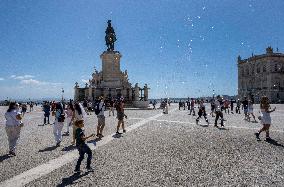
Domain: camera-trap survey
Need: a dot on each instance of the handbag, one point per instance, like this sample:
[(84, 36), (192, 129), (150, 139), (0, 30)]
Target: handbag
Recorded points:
[(78, 122)]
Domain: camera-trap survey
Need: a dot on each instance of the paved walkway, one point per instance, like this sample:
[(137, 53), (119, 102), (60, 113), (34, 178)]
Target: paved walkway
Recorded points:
[(157, 150)]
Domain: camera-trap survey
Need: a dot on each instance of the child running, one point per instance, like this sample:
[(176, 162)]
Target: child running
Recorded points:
[(82, 147), (265, 118)]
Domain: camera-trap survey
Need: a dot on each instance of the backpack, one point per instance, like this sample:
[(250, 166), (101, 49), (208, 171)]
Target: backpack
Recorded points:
[(97, 108)]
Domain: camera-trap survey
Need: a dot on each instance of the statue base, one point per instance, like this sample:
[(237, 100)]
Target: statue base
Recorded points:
[(141, 104)]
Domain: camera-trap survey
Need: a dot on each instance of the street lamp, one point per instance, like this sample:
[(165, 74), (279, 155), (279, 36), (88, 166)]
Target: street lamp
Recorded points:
[(213, 94), (62, 90)]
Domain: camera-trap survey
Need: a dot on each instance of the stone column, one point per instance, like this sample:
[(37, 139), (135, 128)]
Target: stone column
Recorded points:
[(90, 93), (76, 91), (136, 92), (146, 92), (111, 65)]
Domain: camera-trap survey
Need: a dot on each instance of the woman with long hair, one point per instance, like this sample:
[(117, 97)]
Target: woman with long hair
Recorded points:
[(13, 126), (59, 122), (70, 110), (78, 117), (265, 117)]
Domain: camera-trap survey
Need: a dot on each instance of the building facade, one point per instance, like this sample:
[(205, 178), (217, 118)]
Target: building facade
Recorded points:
[(261, 75)]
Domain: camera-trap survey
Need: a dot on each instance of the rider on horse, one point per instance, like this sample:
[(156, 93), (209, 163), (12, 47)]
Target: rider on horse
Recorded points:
[(110, 37)]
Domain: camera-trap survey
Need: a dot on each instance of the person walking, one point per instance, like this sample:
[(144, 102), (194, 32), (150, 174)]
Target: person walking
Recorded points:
[(69, 113), (212, 103), (46, 110), (58, 124), (24, 109), (226, 106), (82, 147), (154, 104), (265, 117), (78, 117), (245, 107), (192, 107), (13, 126), (232, 106), (111, 107), (238, 107), (202, 112), (250, 110), (218, 110), (100, 110), (120, 116)]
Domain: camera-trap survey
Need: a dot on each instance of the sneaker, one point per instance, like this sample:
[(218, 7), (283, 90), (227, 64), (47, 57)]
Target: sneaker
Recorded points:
[(90, 169), (196, 121), (124, 131), (118, 132), (215, 125), (58, 144), (257, 135), (77, 170), (12, 153), (268, 139)]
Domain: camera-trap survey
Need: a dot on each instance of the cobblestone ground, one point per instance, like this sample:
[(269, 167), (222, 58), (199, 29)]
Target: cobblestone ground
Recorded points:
[(171, 150)]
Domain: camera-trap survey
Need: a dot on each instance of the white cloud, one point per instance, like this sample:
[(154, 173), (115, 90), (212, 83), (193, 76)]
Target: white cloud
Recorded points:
[(33, 82), (1, 79), (21, 77), (85, 81)]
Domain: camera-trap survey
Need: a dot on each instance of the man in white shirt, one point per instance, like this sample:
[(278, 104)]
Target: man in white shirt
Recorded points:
[(101, 118)]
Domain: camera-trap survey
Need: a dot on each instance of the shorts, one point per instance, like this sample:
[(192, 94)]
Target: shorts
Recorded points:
[(120, 116), (101, 120)]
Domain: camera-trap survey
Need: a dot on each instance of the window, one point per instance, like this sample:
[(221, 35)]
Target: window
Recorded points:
[(264, 68), (275, 67), (258, 69)]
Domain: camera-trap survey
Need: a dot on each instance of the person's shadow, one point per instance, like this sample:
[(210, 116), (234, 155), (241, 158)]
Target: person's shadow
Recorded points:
[(4, 157), (71, 180), (117, 136), (69, 148), (48, 149), (274, 142)]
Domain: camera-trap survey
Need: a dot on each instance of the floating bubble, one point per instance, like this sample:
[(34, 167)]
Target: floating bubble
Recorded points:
[(198, 17), (203, 8)]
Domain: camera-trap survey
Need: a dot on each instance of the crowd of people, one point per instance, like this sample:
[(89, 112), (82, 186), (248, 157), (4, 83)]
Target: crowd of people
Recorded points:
[(74, 114)]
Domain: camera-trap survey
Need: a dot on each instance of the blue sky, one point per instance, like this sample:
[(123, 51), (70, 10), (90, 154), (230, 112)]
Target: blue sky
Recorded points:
[(180, 48)]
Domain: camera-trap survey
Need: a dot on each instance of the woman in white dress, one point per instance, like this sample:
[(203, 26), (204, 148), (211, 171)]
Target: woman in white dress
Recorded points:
[(250, 110), (265, 117)]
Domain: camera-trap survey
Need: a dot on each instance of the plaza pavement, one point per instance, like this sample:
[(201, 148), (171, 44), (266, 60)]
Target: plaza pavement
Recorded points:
[(158, 150)]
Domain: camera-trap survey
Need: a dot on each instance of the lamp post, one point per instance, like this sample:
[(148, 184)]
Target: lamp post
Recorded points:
[(62, 91), (213, 93)]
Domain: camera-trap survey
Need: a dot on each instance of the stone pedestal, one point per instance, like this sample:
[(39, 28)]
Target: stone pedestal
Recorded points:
[(111, 66)]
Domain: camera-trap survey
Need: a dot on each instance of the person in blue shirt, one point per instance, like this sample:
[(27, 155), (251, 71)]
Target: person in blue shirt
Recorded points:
[(46, 110)]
